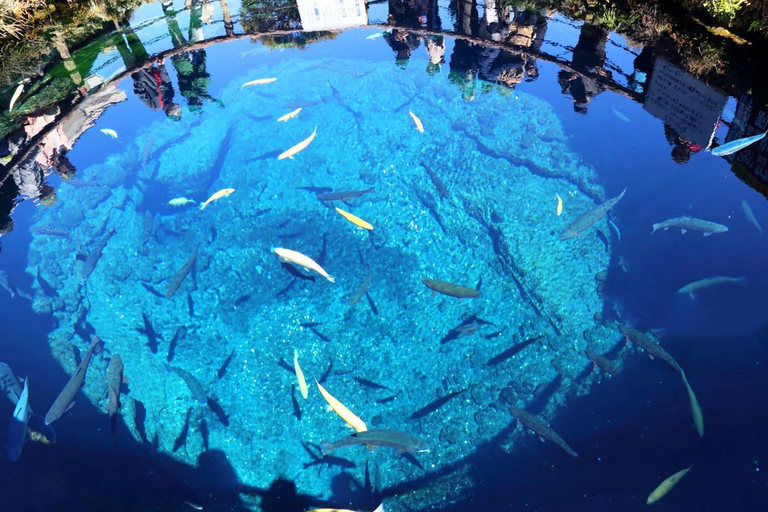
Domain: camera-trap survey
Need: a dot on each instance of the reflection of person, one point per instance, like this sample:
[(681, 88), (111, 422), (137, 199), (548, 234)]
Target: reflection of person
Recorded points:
[(435, 46), (682, 146), (588, 57), (153, 87), (402, 43), (408, 13)]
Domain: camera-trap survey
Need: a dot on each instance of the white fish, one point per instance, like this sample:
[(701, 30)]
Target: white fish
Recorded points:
[(17, 432), (376, 35), (619, 114), (750, 215), (181, 201), (260, 81), (666, 486), (737, 145), (302, 260), (695, 286), (15, 96), (109, 131)]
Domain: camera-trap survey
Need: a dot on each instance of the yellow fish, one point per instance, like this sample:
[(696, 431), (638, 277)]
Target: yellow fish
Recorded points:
[(559, 204), (357, 221), (339, 408), (300, 375), (298, 147), (15, 96), (218, 195), (696, 412), (108, 131), (666, 486), (302, 260), (260, 81), (289, 116), (417, 121)]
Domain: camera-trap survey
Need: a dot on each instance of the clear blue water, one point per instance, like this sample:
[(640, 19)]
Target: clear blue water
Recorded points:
[(502, 145)]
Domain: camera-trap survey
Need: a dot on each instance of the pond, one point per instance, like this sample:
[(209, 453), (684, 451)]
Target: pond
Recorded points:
[(414, 221)]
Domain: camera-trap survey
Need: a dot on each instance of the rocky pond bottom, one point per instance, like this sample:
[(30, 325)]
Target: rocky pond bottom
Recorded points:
[(471, 201)]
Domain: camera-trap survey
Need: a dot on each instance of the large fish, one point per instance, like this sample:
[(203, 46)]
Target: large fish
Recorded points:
[(17, 433), (343, 195), (301, 146), (651, 347), (216, 196), (578, 226), (692, 288), (198, 393), (175, 282), (93, 257), (65, 400), (686, 223), (287, 255), (666, 486), (696, 412), (348, 416), (750, 215), (541, 429), (450, 289), (114, 383), (439, 185), (737, 145), (600, 361), (402, 441)]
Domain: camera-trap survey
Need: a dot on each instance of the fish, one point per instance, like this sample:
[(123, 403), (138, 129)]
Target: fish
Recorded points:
[(290, 115), (417, 122), (150, 333), (586, 219), (296, 272), (298, 147), (388, 399), (6, 284), (181, 440), (51, 231), (696, 412), (260, 81), (439, 185), (9, 384), (737, 145), (651, 347), (541, 429), (750, 215), (559, 205), (295, 403), (685, 223), (115, 381), (371, 304), (344, 195), (198, 393), (223, 368), (348, 416), (152, 290), (692, 288), (108, 131), (380, 508), (357, 221), (217, 410), (666, 486), (620, 115), (15, 97), (181, 201), (374, 36), (402, 441), (450, 289), (89, 265), (326, 373), (65, 400), (512, 351), (17, 432), (287, 255), (370, 384), (470, 328), (300, 375), (174, 283), (361, 290), (180, 334), (218, 195), (147, 151), (603, 362), (435, 405)]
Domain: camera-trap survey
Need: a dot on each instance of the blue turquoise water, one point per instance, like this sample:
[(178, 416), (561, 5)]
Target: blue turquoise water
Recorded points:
[(502, 152)]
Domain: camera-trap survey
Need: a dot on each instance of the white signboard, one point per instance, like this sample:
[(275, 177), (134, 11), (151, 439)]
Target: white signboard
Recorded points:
[(332, 14), (684, 103)]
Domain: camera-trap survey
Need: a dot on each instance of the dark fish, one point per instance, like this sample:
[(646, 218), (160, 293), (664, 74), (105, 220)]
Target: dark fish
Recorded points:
[(361, 290), (494, 334), (600, 361), (323, 251), (190, 304), (93, 257), (147, 151), (439, 185), (370, 384), (319, 334), (326, 373), (296, 272), (512, 351), (223, 368), (205, 434), (214, 234), (432, 407), (242, 300), (175, 282), (150, 333), (47, 289), (450, 289), (152, 290), (182, 439), (269, 155), (214, 406), (139, 419), (541, 429), (388, 399), (289, 236), (604, 240), (287, 288), (285, 366), (470, 328), (198, 393), (373, 307), (318, 459), (578, 226), (413, 460), (295, 403), (316, 190), (65, 400), (180, 334), (345, 195), (114, 383), (51, 231), (651, 347), (309, 325), (450, 336), (384, 437)]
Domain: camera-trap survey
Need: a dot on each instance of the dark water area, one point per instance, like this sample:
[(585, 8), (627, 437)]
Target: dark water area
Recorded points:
[(518, 109)]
